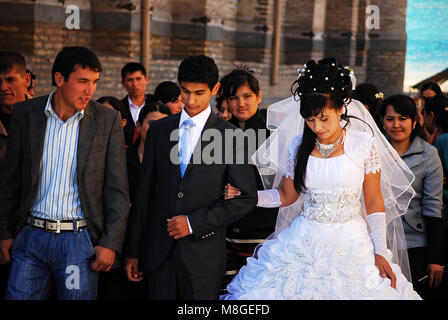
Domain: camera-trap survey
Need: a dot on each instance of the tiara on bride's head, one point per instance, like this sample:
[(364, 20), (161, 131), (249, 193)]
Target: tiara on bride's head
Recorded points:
[(324, 76)]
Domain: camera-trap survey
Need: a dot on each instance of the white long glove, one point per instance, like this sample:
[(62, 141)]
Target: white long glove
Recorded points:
[(377, 225), (268, 198)]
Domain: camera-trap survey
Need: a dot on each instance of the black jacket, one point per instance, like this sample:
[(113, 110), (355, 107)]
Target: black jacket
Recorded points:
[(133, 165), (260, 222), (162, 194), (129, 129)]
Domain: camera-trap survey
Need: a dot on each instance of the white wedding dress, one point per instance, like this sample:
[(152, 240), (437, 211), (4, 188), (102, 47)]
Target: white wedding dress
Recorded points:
[(326, 252)]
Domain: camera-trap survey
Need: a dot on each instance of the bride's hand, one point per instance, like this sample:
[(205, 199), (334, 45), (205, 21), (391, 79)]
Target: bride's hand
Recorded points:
[(385, 269), (231, 192)]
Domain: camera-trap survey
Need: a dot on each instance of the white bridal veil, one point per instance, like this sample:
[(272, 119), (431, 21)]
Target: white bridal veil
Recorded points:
[(285, 122)]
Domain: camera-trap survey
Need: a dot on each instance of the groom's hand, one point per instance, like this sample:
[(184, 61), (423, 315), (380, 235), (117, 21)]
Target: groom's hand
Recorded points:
[(178, 227)]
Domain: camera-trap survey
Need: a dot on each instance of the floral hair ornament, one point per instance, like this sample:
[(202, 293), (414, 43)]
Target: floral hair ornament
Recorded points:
[(351, 74), (379, 95)]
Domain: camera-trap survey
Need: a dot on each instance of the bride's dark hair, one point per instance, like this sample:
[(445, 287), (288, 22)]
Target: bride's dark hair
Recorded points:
[(322, 84)]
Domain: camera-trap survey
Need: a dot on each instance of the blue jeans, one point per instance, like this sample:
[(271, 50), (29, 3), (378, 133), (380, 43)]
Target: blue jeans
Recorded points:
[(41, 259)]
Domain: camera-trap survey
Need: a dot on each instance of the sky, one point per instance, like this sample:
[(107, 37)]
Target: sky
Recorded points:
[(427, 40)]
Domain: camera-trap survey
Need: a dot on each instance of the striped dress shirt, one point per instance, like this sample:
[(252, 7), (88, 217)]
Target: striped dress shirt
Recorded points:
[(57, 195)]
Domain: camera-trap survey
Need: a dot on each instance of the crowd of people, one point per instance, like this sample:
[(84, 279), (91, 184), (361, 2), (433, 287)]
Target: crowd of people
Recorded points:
[(92, 205)]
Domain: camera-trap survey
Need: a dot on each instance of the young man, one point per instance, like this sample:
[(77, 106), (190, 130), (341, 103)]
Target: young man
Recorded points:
[(135, 81), (179, 215), (63, 193), (14, 81)]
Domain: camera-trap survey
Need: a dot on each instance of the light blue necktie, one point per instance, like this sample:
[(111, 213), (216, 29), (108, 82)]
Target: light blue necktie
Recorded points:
[(184, 143)]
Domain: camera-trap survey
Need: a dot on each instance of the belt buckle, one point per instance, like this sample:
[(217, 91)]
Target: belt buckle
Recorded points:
[(58, 226)]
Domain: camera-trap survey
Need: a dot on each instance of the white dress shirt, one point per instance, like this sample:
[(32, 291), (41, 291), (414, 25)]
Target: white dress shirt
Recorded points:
[(135, 110), (195, 133)]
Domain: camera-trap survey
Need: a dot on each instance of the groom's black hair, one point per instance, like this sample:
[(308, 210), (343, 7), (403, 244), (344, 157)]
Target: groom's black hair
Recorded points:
[(198, 69)]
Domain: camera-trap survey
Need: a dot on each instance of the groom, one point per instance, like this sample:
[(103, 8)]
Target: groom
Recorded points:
[(179, 218)]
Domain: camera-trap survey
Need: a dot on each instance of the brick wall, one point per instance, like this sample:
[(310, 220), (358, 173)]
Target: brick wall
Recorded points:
[(233, 32), (386, 51)]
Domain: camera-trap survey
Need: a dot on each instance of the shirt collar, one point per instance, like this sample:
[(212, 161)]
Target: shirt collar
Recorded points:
[(50, 111), (417, 146), (199, 119), (135, 106)]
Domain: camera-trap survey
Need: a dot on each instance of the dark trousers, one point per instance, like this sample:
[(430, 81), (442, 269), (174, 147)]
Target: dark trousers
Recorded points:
[(4, 273), (418, 262), (114, 285), (172, 281)]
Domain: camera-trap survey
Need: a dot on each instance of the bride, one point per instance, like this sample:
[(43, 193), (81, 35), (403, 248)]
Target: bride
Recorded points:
[(341, 190)]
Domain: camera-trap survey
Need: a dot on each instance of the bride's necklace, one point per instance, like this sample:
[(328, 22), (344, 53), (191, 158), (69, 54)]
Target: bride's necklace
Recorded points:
[(327, 149)]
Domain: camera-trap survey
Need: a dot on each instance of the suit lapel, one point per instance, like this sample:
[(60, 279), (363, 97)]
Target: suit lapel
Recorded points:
[(87, 129), (174, 140), (211, 121), (38, 123)]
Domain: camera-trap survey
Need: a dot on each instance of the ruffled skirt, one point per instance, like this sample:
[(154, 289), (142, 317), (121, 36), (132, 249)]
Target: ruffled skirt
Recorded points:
[(314, 260)]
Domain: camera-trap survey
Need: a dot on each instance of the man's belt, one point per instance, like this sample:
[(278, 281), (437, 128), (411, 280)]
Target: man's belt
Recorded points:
[(56, 226)]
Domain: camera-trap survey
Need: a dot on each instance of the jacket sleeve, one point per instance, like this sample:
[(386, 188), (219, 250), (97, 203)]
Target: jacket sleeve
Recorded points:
[(224, 212), (432, 204), (116, 194), (434, 235), (10, 175), (432, 201)]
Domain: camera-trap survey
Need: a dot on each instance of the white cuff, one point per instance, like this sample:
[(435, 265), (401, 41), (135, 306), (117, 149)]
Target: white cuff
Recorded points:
[(189, 226), (377, 225), (268, 198)]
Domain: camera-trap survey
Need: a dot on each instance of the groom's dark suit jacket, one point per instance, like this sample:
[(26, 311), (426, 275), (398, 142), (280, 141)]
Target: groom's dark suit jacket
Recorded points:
[(101, 171), (163, 194)]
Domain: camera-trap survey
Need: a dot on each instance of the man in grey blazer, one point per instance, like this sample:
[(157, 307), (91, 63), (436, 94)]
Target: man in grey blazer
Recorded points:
[(63, 193)]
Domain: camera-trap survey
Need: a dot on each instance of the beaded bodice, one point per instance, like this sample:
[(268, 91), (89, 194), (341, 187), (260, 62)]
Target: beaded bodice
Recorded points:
[(334, 185), (331, 206)]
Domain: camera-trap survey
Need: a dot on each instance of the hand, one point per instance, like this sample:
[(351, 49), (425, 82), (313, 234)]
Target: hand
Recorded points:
[(4, 251), (231, 192), (178, 227), (435, 275), (131, 269), (385, 269), (104, 259)]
